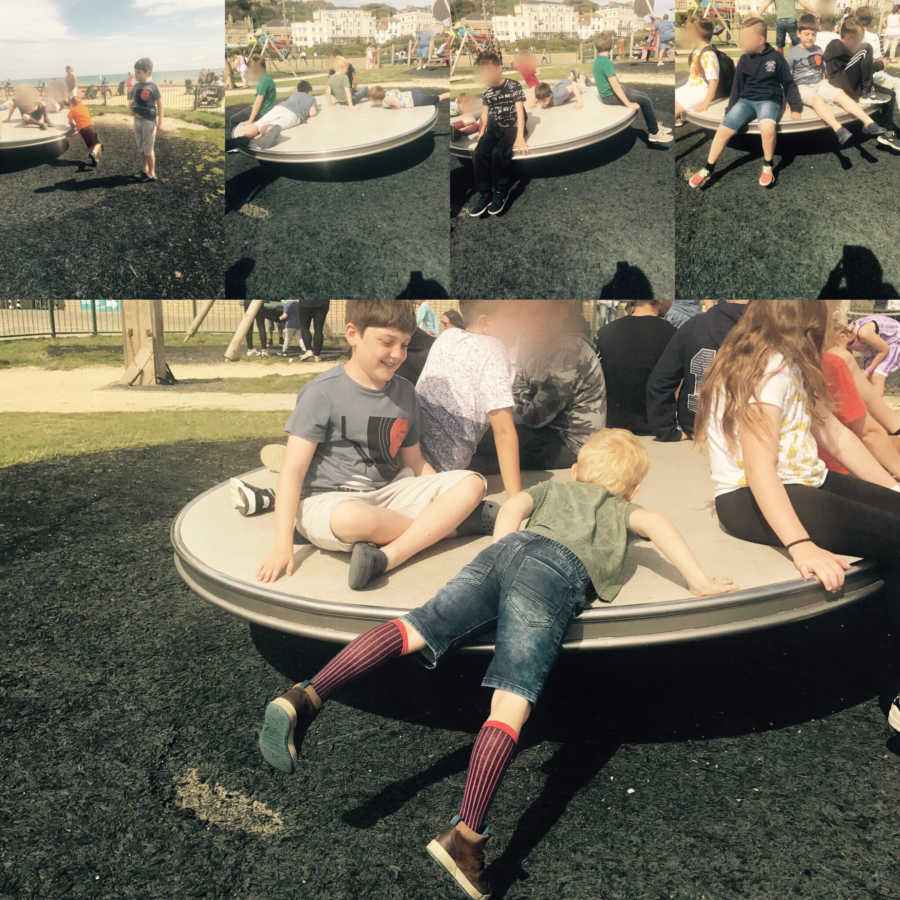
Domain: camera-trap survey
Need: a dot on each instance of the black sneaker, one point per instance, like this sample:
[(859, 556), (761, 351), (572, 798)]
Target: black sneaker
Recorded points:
[(286, 722), (842, 135), (873, 129), (498, 204), (889, 139), (249, 500), (141, 176), (478, 205), (894, 714)]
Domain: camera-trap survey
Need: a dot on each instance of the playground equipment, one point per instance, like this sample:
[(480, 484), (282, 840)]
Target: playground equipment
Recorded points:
[(217, 552), (563, 128), (18, 139), (809, 120), (265, 46), (339, 133), (143, 338), (725, 14)]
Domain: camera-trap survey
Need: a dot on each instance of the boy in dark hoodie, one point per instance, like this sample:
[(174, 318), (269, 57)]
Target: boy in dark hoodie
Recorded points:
[(762, 82), (684, 363)]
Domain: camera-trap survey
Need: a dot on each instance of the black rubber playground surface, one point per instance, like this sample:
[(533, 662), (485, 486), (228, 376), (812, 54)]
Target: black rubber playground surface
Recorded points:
[(826, 229), (592, 223), (755, 768), (372, 227), (73, 231)]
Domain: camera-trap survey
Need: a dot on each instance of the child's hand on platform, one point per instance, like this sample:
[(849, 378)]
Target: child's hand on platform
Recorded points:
[(632, 105), (277, 563), (520, 145), (796, 116), (710, 587)]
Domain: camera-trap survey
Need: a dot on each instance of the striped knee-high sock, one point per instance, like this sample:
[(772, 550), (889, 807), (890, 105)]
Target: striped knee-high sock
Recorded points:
[(366, 652), (494, 747)]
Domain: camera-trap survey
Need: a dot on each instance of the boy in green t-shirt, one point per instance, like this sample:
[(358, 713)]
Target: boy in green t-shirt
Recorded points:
[(265, 99), (528, 586), (613, 93)]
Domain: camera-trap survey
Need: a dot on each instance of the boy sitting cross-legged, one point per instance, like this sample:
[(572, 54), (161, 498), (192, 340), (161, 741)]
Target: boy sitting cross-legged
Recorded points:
[(353, 477), (762, 80), (527, 586), (808, 71)]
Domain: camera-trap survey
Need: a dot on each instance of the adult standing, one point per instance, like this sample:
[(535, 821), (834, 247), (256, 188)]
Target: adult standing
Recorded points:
[(71, 84), (129, 84), (629, 348), (424, 44), (425, 318), (315, 312), (666, 35), (260, 321), (892, 32)]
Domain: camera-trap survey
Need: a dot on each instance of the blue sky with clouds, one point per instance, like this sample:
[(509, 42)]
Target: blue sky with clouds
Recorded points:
[(41, 36)]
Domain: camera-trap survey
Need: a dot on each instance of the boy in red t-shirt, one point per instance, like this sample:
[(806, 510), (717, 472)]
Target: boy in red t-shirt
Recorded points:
[(525, 65), (81, 120)]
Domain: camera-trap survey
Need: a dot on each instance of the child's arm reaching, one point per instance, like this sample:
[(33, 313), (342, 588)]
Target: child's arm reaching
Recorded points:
[(576, 93), (412, 458), (512, 513), (668, 540), (506, 440), (841, 443), (296, 462)]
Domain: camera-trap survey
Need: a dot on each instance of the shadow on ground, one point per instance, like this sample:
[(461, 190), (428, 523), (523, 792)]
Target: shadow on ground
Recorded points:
[(757, 766), (736, 239), (356, 228)]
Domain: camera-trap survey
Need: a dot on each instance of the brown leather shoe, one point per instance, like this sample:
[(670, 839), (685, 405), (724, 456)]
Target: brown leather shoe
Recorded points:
[(287, 720), (463, 859)]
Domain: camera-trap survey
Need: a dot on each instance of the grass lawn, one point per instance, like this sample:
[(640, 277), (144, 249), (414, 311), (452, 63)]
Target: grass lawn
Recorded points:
[(31, 437), (106, 350)]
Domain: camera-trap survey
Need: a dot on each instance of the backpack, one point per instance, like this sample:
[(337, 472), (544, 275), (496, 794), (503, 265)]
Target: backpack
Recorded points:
[(726, 70)]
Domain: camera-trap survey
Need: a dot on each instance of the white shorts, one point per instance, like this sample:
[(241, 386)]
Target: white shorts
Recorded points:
[(406, 494), (144, 135), (278, 115), (689, 95), (823, 89)]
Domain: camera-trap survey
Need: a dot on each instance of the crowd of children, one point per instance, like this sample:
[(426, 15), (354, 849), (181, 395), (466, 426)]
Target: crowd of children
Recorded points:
[(381, 469), (822, 69), (145, 106)]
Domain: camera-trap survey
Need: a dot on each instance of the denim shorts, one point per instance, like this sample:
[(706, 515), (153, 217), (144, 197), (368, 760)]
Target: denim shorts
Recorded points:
[(783, 28), (528, 588), (745, 111)]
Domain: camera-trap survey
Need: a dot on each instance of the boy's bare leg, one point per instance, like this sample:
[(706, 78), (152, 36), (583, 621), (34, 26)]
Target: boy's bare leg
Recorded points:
[(847, 103), (720, 140), (823, 110), (355, 520), (437, 521), (768, 137)]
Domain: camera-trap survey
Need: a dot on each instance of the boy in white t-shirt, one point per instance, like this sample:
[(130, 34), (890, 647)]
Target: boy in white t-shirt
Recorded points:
[(826, 33), (466, 388)]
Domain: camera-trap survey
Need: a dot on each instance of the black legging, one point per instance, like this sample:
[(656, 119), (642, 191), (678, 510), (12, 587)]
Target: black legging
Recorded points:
[(539, 448), (260, 327), (846, 515), (316, 315)]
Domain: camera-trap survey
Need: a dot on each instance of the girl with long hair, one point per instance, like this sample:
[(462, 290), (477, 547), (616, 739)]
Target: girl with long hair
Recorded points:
[(763, 415)]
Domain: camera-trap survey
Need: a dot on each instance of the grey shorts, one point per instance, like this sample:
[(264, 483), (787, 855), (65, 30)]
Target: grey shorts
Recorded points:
[(144, 135), (406, 494)]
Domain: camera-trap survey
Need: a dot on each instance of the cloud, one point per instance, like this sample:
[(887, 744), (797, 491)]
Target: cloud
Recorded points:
[(36, 20), (173, 7)]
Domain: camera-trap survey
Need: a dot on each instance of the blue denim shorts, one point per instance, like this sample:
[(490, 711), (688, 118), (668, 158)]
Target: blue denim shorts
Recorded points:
[(744, 111), (528, 588)]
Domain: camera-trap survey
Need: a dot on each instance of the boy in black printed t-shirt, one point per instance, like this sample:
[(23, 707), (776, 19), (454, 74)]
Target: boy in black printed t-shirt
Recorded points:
[(502, 130)]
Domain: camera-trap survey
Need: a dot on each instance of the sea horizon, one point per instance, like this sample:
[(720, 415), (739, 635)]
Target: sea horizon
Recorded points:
[(176, 75)]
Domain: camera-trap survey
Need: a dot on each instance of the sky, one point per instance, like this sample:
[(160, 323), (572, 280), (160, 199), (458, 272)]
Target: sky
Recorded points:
[(99, 36)]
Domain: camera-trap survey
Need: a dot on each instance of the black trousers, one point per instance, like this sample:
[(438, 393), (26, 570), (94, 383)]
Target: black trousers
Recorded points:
[(846, 515), (539, 448), (260, 327), (492, 160), (316, 315)]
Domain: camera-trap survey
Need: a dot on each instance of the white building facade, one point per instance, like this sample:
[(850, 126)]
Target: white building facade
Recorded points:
[(341, 25)]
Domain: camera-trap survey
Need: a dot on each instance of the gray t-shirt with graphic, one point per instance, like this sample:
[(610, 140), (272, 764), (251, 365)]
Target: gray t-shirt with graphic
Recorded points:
[(806, 65), (359, 431)]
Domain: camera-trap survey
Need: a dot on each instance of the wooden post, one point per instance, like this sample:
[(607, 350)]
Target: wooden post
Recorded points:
[(51, 306), (198, 319), (143, 339), (242, 329), (94, 317)]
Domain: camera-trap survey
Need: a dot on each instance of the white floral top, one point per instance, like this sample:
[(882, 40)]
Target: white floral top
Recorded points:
[(798, 452)]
